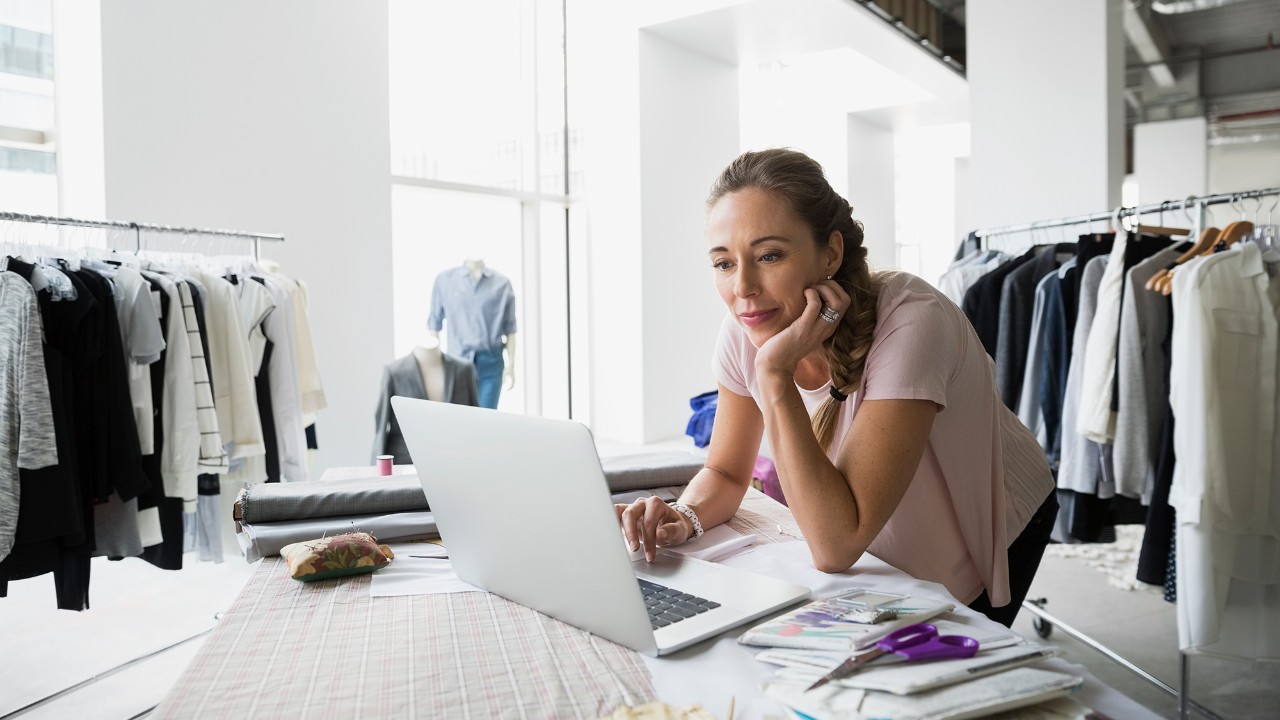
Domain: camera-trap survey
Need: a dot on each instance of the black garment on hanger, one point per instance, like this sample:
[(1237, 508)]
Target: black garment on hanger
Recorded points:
[(113, 408), (982, 301), (1157, 542), (262, 384), (1017, 304)]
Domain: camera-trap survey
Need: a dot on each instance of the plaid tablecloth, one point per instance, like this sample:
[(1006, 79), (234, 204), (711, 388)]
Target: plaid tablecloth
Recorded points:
[(286, 649)]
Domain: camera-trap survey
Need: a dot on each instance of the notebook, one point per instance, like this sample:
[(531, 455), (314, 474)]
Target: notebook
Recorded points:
[(523, 506)]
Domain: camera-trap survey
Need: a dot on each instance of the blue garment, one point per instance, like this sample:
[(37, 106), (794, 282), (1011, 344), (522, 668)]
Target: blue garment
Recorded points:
[(489, 365), (704, 416), (481, 312)]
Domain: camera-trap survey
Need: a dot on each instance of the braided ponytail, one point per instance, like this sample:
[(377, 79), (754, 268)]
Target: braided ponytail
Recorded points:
[(799, 181)]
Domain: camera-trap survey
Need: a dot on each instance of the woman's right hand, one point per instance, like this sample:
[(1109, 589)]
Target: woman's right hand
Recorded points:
[(651, 522)]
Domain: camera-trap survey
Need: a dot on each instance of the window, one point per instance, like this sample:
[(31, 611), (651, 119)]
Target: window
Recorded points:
[(478, 170), (26, 52)]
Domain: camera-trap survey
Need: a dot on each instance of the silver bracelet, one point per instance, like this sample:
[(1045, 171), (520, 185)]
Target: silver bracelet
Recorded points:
[(686, 511)]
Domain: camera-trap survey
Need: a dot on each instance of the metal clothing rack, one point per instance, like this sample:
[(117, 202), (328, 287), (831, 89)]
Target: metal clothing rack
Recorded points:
[(137, 228), (1045, 622)]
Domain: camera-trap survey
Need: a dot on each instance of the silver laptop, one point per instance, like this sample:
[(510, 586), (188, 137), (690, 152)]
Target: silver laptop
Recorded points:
[(524, 510)]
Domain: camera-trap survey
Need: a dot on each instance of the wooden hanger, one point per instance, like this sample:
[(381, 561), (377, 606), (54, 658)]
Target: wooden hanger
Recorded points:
[(1206, 241), (1230, 235)]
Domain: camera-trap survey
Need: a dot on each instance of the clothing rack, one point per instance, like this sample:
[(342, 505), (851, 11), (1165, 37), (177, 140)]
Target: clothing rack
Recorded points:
[(1044, 621), (137, 228), (1120, 213)]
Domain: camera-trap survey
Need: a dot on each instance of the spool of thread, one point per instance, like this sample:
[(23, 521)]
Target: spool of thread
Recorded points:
[(385, 463)]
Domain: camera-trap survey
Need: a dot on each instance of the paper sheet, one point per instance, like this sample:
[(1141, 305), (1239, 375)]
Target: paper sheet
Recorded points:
[(418, 569)]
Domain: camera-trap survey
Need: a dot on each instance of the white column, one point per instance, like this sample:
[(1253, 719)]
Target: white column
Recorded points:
[(284, 130), (871, 171), (77, 51), (688, 134), (1047, 116), (1170, 159)]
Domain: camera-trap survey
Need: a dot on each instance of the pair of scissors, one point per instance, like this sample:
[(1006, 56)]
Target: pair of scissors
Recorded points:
[(913, 642)]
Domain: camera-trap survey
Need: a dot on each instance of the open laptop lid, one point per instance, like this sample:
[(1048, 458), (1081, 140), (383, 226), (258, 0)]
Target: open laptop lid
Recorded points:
[(524, 509)]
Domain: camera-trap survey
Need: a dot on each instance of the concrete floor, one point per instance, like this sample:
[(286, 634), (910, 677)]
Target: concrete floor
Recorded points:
[(139, 610)]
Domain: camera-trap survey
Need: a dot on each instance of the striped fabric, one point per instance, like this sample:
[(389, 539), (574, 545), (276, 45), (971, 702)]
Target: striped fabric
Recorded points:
[(212, 455), (327, 650)]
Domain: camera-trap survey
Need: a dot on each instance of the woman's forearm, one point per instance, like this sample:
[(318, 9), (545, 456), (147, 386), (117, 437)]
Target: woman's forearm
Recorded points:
[(714, 495), (817, 492)]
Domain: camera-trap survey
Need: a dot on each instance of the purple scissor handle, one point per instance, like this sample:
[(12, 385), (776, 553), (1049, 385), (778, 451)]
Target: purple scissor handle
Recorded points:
[(922, 642), (913, 642)]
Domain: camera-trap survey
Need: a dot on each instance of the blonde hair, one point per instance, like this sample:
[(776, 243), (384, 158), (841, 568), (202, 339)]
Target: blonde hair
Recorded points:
[(799, 181)]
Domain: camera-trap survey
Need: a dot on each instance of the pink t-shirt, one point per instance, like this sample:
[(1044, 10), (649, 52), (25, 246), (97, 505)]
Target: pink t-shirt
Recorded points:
[(982, 476)]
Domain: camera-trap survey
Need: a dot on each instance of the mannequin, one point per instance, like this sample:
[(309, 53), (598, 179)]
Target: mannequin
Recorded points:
[(475, 266), (431, 365)]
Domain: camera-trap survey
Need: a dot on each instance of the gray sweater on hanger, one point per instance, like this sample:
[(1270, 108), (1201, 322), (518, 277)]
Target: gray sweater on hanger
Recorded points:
[(404, 378)]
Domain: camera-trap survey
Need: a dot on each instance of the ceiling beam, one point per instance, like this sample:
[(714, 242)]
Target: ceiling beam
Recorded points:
[(1150, 42)]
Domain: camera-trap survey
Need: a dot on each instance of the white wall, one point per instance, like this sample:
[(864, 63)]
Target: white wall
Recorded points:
[(269, 117), (871, 169), (1246, 166), (1045, 100), (1170, 159), (688, 134)]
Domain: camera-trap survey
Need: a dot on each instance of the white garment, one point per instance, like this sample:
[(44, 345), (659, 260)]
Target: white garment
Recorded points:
[(234, 393), (286, 399), (180, 452), (213, 458), (1080, 465), (256, 305), (310, 390), (1223, 389), (1096, 420), (964, 273)]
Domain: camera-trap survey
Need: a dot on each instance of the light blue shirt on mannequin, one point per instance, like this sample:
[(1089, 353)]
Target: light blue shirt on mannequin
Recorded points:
[(480, 311)]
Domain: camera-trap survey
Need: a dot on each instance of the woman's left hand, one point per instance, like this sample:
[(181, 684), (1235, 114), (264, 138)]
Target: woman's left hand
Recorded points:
[(784, 351)]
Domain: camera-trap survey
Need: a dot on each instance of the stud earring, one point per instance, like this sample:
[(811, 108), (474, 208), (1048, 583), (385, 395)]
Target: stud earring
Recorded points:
[(829, 277)]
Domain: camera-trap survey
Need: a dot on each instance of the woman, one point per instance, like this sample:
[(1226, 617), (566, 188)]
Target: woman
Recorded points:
[(909, 454)]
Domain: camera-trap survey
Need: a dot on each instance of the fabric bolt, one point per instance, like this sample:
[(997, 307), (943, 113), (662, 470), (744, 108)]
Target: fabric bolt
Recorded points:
[(286, 396), (1017, 304), (1223, 387), (480, 312), (1030, 411), (274, 502), (963, 508), (27, 437), (489, 366), (1141, 382), (645, 471), (404, 377), (180, 453), (259, 540)]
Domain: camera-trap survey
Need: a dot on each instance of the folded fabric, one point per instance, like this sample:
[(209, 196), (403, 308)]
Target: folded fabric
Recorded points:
[(267, 539), (272, 502), (336, 556), (646, 471)]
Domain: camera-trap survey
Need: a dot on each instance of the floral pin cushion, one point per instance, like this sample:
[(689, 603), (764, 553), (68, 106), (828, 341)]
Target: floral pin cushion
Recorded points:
[(347, 554)]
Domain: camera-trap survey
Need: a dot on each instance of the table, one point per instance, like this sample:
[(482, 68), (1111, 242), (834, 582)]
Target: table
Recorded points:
[(328, 650)]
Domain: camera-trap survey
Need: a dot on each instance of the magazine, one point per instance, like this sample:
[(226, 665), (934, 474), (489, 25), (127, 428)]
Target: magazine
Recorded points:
[(826, 624)]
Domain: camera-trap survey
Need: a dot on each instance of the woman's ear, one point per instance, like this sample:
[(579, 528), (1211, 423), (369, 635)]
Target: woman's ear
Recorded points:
[(834, 251)]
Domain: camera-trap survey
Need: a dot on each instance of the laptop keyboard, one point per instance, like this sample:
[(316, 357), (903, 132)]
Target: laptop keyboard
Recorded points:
[(667, 606)]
